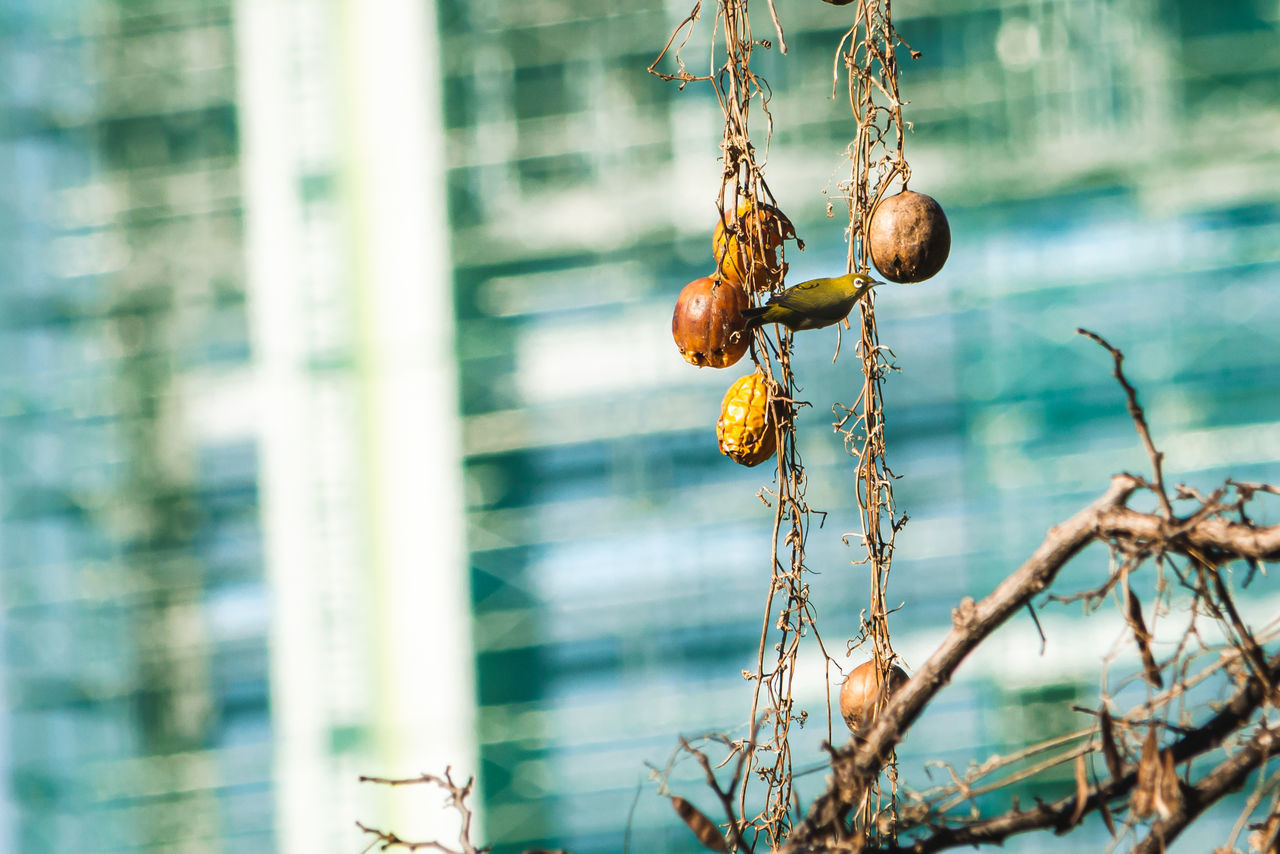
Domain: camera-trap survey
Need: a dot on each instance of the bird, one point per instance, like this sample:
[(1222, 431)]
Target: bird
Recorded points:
[(812, 304)]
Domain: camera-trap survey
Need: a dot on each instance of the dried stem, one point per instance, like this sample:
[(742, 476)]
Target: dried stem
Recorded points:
[(871, 73), (1139, 420), (458, 794)]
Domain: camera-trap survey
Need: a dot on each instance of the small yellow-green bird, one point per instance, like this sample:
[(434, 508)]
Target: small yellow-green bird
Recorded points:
[(812, 304)]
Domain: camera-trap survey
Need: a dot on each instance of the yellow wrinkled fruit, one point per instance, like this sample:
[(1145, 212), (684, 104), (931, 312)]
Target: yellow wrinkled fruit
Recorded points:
[(756, 236), (745, 429)]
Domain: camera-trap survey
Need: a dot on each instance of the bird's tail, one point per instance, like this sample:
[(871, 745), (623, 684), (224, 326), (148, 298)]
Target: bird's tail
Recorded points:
[(755, 316)]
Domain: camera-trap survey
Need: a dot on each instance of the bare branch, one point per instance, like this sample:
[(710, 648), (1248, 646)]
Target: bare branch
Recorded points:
[(1215, 537), (858, 765), (1106, 519), (1054, 815), (385, 840), (724, 794), (458, 794), (1139, 421)]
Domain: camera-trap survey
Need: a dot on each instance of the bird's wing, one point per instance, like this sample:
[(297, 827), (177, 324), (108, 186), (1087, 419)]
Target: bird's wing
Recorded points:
[(807, 299), (797, 296)]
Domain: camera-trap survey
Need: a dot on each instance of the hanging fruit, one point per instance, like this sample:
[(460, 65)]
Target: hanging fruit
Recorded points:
[(861, 691), (909, 237), (708, 325), (749, 250), (745, 429)]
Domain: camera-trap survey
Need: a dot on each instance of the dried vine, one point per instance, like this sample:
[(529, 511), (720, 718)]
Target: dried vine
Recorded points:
[(877, 161), (784, 622), (743, 182)]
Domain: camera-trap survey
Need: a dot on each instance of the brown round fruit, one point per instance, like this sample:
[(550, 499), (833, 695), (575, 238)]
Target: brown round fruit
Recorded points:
[(748, 253), (909, 237), (745, 427), (708, 325), (860, 693)]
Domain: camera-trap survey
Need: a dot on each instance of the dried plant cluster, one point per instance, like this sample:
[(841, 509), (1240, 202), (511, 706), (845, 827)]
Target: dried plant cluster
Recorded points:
[(877, 159), (749, 248), (1205, 724), (457, 794), (1196, 719)]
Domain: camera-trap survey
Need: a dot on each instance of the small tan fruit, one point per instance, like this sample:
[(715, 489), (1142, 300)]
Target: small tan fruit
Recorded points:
[(708, 325), (745, 427), (909, 237), (860, 694)]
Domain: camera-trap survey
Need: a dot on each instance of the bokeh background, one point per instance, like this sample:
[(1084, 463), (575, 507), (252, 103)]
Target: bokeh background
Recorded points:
[(341, 430)]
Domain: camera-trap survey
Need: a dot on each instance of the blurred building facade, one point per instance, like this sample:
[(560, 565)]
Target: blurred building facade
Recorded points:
[(619, 562), (230, 416), (135, 616), (221, 407)]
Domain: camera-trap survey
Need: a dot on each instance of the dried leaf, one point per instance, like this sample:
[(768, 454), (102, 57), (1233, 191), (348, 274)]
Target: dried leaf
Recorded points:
[(1265, 839), (703, 828), (1140, 635), (1142, 799), (1149, 668), (1106, 817), (1111, 753), (1168, 794), (1136, 620), (1082, 790)]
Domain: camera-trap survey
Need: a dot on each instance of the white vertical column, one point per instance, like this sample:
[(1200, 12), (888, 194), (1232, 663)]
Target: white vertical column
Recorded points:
[(395, 182), (275, 297), (362, 518)]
